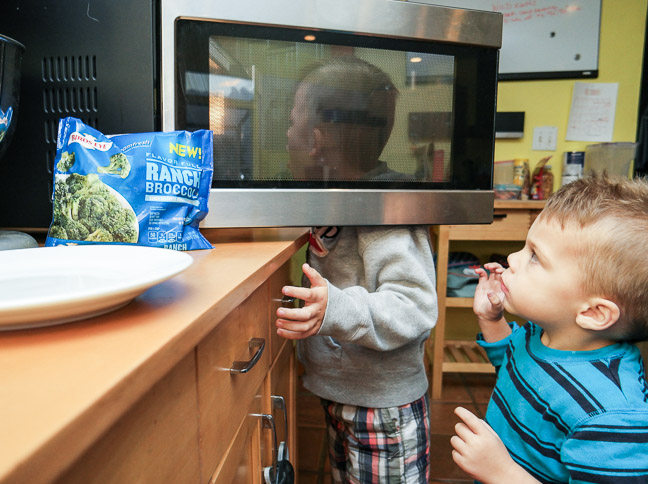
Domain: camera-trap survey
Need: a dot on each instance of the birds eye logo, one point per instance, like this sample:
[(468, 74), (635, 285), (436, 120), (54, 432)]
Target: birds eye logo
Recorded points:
[(90, 142)]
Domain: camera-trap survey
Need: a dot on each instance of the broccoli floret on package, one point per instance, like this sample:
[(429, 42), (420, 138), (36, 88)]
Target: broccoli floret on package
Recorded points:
[(145, 188)]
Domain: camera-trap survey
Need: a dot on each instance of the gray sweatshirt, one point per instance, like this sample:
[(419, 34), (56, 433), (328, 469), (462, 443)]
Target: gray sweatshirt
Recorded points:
[(382, 305)]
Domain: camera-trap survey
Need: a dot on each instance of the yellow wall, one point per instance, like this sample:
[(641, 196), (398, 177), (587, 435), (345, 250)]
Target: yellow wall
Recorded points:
[(547, 102)]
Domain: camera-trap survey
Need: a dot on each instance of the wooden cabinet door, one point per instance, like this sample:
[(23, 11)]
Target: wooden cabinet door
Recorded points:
[(283, 378)]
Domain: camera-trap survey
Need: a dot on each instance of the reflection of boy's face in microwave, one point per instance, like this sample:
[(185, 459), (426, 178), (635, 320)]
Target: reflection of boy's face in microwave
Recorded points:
[(300, 139), (341, 119)]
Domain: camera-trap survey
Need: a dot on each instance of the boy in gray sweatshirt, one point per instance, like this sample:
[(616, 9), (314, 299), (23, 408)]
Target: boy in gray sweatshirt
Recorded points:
[(369, 294)]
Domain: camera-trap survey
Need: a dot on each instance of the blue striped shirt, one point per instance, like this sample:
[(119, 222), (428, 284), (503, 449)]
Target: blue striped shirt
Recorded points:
[(570, 416)]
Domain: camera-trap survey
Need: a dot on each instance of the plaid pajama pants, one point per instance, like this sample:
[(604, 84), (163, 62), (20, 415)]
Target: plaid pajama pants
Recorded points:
[(379, 445)]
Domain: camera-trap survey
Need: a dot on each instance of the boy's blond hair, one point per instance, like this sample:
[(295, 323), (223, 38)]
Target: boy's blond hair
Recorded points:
[(612, 212)]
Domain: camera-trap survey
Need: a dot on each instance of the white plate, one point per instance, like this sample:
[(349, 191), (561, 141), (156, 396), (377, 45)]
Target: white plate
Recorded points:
[(52, 285)]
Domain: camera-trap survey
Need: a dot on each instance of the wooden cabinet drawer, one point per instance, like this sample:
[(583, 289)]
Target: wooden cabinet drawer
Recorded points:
[(156, 441), (241, 462), (224, 397), (508, 224)]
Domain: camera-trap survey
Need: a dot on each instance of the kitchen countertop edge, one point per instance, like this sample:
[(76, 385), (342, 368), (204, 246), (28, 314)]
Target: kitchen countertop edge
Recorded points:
[(39, 458)]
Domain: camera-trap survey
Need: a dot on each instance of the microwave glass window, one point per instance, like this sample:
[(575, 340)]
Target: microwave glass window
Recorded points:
[(253, 93), (299, 109)]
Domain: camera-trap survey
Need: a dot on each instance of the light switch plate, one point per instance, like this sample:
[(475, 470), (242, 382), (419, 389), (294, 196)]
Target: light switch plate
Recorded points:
[(544, 138)]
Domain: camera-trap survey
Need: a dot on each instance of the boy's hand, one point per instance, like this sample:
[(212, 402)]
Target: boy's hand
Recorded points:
[(479, 451), (489, 297), (300, 323)]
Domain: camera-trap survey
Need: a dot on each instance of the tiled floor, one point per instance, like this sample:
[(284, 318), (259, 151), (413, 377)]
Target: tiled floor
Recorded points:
[(462, 389)]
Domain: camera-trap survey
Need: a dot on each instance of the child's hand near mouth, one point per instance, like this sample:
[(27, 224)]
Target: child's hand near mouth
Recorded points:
[(489, 296)]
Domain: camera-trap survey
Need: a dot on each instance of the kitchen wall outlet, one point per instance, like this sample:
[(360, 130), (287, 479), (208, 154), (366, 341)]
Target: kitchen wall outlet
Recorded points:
[(544, 138)]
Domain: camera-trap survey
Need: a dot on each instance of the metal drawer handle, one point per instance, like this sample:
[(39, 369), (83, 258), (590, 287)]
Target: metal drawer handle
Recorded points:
[(270, 473), (285, 300), (279, 403), (499, 215), (245, 366), (281, 471)]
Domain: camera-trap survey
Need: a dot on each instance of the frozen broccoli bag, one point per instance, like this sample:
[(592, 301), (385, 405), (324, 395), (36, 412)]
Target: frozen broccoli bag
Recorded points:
[(145, 188)]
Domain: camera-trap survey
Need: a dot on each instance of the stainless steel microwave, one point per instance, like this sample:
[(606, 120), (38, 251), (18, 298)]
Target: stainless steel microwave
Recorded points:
[(426, 126)]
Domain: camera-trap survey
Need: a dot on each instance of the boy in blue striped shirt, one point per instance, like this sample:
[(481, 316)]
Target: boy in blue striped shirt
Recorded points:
[(571, 401)]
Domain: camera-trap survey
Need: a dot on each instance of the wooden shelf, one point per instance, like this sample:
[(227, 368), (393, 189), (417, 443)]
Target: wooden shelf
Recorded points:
[(459, 302), (511, 222), (465, 356), (520, 204)]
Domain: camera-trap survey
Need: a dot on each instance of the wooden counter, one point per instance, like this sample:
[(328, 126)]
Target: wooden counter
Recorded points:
[(62, 388)]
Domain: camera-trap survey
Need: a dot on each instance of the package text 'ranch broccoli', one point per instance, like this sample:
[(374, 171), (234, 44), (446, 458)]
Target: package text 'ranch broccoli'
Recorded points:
[(162, 179)]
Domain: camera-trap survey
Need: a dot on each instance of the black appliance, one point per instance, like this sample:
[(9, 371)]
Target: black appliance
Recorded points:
[(146, 65), (97, 61)]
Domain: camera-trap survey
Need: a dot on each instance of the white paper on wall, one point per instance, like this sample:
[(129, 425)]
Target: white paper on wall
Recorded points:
[(591, 117)]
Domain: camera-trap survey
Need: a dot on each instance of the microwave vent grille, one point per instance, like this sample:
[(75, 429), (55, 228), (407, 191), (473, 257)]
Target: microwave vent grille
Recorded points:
[(71, 100), (69, 89), (69, 68)]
